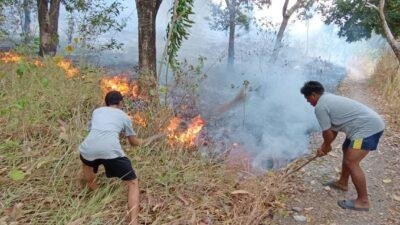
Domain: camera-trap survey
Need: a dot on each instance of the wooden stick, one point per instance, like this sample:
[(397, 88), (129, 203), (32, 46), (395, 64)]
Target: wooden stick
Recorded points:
[(303, 165)]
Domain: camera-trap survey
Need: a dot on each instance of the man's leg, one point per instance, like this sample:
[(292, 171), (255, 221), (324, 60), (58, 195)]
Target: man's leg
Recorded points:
[(133, 201), (89, 177), (343, 182), (352, 162)]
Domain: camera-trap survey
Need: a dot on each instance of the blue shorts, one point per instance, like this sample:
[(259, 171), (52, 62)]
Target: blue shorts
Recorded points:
[(369, 143)]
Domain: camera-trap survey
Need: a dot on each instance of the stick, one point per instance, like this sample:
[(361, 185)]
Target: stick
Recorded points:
[(303, 165)]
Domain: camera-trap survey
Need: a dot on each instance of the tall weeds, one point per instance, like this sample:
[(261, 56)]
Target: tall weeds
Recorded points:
[(43, 118)]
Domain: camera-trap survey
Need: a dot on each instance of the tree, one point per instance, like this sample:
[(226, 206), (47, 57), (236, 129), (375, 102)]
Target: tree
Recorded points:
[(359, 18), (26, 26), (147, 13), (286, 14), (48, 13), (236, 13)]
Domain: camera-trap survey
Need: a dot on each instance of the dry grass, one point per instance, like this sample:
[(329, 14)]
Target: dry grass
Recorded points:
[(387, 77), (43, 117)]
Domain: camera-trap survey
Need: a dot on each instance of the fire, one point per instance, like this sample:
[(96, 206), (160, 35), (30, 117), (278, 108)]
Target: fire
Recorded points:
[(117, 83), (139, 119), (177, 134), (9, 57), (70, 70), (38, 63), (121, 83), (135, 89)]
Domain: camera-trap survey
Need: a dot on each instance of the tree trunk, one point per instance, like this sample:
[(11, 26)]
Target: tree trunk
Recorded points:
[(394, 44), (286, 14), (48, 13), (147, 13), (232, 25), (26, 28)]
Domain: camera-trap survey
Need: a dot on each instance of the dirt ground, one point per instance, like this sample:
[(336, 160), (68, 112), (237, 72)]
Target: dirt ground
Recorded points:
[(317, 204)]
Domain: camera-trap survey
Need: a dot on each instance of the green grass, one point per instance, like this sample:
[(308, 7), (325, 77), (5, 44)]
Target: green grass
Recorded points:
[(43, 117)]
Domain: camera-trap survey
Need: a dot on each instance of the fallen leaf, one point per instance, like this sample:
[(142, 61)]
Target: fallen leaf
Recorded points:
[(387, 180), (396, 197), (240, 192)]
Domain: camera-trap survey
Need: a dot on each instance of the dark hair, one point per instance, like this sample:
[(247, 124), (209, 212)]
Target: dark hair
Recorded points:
[(113, 98), (312, 86)]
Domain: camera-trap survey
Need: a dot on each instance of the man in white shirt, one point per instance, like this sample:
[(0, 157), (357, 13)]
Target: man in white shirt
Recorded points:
[(363, 128), (102, 147)]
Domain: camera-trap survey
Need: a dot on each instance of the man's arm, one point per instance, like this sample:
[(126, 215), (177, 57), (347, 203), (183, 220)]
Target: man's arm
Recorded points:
[(135, 141), (329, 136)]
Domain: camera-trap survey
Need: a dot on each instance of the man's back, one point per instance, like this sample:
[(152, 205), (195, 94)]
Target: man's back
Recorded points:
[(103, 139), (348, 116)]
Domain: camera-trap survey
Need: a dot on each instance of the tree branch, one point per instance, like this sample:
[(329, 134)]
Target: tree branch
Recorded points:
[(370, 5)]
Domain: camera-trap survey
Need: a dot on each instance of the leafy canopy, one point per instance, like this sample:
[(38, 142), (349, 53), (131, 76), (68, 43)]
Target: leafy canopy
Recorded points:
[(356, 20)]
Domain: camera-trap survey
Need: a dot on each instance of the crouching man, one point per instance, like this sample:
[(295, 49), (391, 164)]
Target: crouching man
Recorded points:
[(363, 128), (102, 147)]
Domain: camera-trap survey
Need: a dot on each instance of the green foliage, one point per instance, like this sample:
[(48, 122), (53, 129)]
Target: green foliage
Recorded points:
[(220, 15), (357, 21), (177, 29), (16, 175), (96, 17)]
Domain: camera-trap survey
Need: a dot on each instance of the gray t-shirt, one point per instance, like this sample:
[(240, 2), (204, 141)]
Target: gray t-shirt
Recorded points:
[(342, 114), (104, 129)]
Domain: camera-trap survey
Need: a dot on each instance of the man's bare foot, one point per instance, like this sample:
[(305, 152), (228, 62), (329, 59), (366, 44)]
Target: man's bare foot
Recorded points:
[(337, 185)]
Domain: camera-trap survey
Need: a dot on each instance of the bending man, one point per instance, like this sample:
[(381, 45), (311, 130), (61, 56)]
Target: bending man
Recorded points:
[(363, 128)]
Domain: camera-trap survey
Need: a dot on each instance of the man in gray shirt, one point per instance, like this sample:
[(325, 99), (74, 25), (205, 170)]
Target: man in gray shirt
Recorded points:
[(363, 128), (102, 147)]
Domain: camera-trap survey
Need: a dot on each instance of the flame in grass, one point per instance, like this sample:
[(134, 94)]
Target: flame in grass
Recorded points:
[(178, 135), (38, 63), (121, 83), (139, 119), (70, 70), (10, 57), (116, 83)]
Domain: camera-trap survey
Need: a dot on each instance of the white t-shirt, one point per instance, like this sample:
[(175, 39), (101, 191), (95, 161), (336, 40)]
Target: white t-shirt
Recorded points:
[(342, 114), (104, 129)]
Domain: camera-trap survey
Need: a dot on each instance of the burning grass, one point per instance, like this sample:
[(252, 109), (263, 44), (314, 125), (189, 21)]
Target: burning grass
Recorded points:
[(43, 116)]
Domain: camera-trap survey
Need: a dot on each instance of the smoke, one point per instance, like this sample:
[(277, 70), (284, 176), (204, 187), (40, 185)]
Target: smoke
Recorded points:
[(273, 124)]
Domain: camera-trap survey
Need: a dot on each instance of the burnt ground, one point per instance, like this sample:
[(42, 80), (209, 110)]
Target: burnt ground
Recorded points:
[(318, 204)]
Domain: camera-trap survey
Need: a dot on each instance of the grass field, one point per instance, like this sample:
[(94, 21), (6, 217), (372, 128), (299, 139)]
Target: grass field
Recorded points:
[(43, 116)]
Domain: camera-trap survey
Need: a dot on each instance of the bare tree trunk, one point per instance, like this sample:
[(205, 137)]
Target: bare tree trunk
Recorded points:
[(286, 14), (394, 44), (232, 25), (147, 13), (48, 13), (26, 28)]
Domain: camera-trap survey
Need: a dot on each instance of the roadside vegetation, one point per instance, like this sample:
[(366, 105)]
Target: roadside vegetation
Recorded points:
[(386, 77)]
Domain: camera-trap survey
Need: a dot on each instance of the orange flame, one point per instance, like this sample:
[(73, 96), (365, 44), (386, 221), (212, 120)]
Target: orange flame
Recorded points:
[(9, 57), (38, 63), (69, 69), (121, 83), (139, 119), (178, 135), (117, 83)]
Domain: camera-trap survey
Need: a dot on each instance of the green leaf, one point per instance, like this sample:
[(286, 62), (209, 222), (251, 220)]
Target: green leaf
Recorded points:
[(45, 82), (16, 175)]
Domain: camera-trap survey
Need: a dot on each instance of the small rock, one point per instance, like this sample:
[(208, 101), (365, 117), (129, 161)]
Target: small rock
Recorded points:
[(300, 218), (309, 208), (297, 209), (327, 188), (313, 182), (396, 197)]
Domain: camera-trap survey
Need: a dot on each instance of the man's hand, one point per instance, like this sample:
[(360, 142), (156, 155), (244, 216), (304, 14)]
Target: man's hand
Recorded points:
[(323, 150)]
